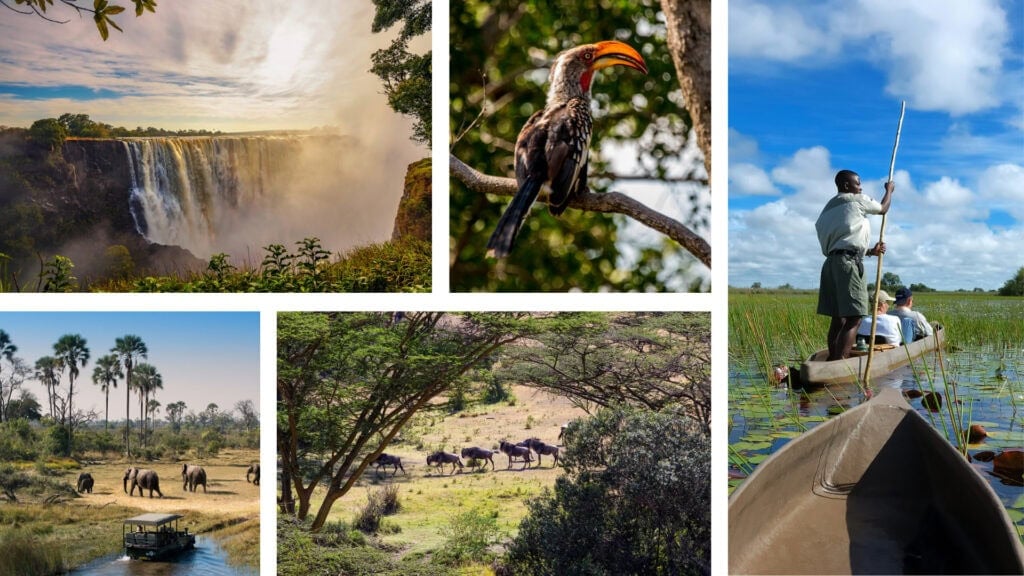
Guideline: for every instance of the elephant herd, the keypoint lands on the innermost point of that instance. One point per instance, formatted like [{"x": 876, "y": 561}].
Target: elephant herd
[
  {"x": 440, "y": 459},
  {"x": 192, "y": 477}
]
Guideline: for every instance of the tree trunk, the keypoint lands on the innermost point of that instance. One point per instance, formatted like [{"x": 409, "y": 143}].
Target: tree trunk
[{"x": 689, "y": 40}]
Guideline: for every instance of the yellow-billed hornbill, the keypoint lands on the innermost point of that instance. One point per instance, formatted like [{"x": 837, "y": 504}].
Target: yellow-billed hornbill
[{"x": 554, "y": 143}]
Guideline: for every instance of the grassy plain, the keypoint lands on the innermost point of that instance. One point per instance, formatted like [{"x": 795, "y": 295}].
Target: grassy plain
[{"x": 75, "y": 530}]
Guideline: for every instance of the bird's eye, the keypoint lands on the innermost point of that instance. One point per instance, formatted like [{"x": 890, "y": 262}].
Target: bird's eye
[{"x": 588, "y": 55}]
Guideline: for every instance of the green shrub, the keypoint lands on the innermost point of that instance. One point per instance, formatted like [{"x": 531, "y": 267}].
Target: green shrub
[
  {"x": 28, "y": 556},
  {"x": 468, "y": 537}
]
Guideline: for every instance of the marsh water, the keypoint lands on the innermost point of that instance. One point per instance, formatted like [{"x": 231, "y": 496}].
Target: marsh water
[
  {"x": 207, "y": 558},
  {"x": 988, "y": 381}
]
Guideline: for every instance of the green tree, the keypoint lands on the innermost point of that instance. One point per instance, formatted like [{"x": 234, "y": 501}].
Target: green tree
[
  {"x": 146, "y": 380},
  {"x": 128, "y": 349},
  {"x": 1014, "y": 286},
  {"x": 650, "y": 360},
  {"x": 105, "y": 375},
  {"x": 47, "y": 372},
  {"x": 47, "y": 134},
  {"x": 7, "y": 350},
  {"x": 24, "y": 406},
  {"x": 348, "y": 382},
  {"x": 635, "y": 499},
  {"x": 498, "y": 79},
  {"x": 71, "y": 350},
  {"x": 175, "y": 411},
  {"x": 102, "y": 11},
  {"x": 247, "y": 414},
  {"x": 406, "y": 76},
  {"x": 891, "y": 282}
]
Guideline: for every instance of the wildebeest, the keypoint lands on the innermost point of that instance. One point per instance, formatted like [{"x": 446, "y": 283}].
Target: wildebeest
[
  {"x": 440, "y": 458},
  {"x": 85, "y": 483},
  {"x": 540, "y": 447},
  {"x": 254, "y": 471},
  {"x": 386, "y": 460},
  {"x": 514, "y": 451},
  {"x": 479, "y": 454}
]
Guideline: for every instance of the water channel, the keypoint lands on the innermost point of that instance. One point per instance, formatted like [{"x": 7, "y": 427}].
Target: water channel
[{"x": 207, "y": 559}]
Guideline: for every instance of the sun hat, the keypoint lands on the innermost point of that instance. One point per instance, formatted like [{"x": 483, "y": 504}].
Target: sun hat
[{"x": 884, "y": 296}]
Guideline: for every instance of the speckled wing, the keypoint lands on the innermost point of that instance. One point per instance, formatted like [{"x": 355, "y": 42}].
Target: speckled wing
[{"x": 568, "y": 145}]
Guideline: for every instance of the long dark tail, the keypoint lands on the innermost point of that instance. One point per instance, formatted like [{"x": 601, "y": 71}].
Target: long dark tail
[{"x": 511, "y": 221}]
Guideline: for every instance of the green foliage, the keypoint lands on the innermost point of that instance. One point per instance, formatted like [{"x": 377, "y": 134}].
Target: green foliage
[
  {"x": 48, "y": 134},
  {"x": 891, "y": 282},
  {"x": 635, "y": 478},
  {"x": 12, "y": 480},
  {"x": 18, "y": 441},
  {"x": 915, "y": 288},
  {"x": 498, "y": 79},
  {"x": 1014, "y": 286},
  {"x": 468, "y": 536},
  {"x": 102, "y": 11},
  {"x": 56, "y": 275},
  {"x": 406, "y": 76},
  {"x": 380, "y": 502}
]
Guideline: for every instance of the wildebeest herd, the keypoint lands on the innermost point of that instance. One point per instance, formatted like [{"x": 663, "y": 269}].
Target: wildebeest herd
[
  {"x": 440, "y": 459},
  {"x": 191, "y": 476}
]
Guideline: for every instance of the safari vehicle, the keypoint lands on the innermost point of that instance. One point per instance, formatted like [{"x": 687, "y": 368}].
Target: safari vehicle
[{"x": 154, "y": 536}]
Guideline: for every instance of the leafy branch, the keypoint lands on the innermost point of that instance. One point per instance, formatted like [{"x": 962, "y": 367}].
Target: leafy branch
[
  {"x": 612, "y": 202},
  {"x": 101, "y": 11}
]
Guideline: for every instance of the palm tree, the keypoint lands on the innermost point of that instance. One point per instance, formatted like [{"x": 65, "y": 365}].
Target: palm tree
[
  {"x": 47, "y": 369},
  {"x": 128, "y": 349},
  {"x": 147, "y": 380},
  {"x": 105, "y": 375},
  {"x": 7, "y": 348},
  {"x": 70, "y": 348}
]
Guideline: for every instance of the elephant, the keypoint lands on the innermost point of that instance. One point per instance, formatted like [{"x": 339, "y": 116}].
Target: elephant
[
  {"x": 143, "y": 479},
  {"x": 85, "y": 483},
  {"x": 192, "y": 476},
  {"x": 254, "y": 471}
]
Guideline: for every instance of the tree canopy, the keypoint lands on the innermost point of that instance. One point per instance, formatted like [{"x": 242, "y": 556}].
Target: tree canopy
[
  {"x": 348, "y": 382},
  {"x": 1015, "y": 285},
  {"x": 498, "y": 79},
  {"x": 406, "y": 76}
]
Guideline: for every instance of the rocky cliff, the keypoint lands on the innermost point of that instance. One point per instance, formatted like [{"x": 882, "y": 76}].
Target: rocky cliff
[{"x": 413, "y": 218}]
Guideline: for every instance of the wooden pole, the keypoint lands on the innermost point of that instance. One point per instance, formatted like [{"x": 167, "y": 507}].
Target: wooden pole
[{"x": 878, "y": 274}]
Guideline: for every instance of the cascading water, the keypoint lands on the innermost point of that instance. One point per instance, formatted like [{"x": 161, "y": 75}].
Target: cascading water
[{"x": 187, "y": 191}]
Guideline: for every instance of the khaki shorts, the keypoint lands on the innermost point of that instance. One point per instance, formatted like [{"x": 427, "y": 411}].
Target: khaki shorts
[{"x": 843, "y": 291}]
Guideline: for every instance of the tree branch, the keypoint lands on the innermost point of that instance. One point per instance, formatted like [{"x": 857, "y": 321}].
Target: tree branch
[{"x": 612, "y": 202}]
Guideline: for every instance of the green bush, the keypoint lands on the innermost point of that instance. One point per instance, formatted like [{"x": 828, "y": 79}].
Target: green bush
[
  {"x": 468, "y": 538},
  {"x": 28, "y": 556}
]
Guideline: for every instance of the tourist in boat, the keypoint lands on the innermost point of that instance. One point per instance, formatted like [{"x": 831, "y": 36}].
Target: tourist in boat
[
  {"x": 902, "y": 308},
  {"x": 888, "y": 331},
  {"x": 844, "y": 233}
]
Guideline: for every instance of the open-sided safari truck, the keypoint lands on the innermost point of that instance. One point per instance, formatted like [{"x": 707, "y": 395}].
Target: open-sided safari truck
[{"x": 154, "y": 536}]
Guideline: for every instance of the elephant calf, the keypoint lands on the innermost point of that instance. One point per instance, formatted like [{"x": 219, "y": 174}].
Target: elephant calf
[
  {"x": 85, "y": 482},
  {"x": 143, "y": 479},
  {"x": 192, "y": 476},
  {"x": 254, "y": 471}
]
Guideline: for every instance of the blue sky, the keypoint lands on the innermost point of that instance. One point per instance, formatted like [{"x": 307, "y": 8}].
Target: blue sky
[
  {"x": 203, "y": 357},
  {"x": 815, "y": 87}
]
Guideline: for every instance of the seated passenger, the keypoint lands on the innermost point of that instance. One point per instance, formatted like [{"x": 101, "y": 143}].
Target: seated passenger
[
  {"x": 888, "y": 331},
  {"x": 902, "y": 308}
]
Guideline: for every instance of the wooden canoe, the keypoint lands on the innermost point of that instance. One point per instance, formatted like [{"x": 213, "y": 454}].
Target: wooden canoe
[
  {"x": 816, "y": 370},
  {"x": 876, "y": 490}
]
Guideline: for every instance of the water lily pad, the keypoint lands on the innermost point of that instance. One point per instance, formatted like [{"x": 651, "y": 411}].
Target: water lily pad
[
  {"x": 751, "y": 446},
  {"x": 1018, "y": 503},
  {"x": 758, "y": 458},
  {"x": 1015, "y": 515},
  {"x": 786, "y": 434}
]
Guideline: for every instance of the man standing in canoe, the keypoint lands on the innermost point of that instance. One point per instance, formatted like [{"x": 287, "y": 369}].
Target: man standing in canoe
[{"x": 844, "y": 233}]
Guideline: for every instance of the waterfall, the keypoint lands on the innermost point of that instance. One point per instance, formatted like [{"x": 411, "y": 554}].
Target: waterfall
[{"x": 187, "y": 191}]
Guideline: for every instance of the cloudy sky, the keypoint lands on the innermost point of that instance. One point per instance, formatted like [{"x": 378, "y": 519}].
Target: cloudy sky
[
  {"x": 203, "y": 357},
  {"x": 815, "y": 87},
  {"x": 217, "y": 64}
]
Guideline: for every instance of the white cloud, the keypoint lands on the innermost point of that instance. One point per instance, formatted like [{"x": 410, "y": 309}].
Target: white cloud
[
  {"x": 749, "y": 180},
  {"x": 942, "y": 55},
  {"x": 927, "y": 229}
]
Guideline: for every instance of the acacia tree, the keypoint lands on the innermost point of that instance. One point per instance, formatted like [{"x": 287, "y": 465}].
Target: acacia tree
[
  {"x": 128, "y": 349},
  {"x": 71, "y": 350},
  {"x": 650, "y": 360},
  {"x": 348, "y": 383},
  {"x": 105, "y": 375},
  {"x": 175, "y": 411},
  {"x": 498, "y": 79}
]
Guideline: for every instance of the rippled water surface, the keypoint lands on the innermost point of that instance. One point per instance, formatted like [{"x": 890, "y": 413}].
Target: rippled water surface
[{"x": 208, "y": 559}]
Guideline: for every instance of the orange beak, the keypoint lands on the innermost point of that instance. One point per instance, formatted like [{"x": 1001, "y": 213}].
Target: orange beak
[{"x": 615, "y": 53}]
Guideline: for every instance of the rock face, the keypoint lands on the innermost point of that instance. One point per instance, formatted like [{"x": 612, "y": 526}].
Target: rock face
[{"x": 413, "y": 218}]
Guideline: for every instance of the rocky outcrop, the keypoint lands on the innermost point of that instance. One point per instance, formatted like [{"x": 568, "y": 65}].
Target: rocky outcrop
[{"x": 413, "y": 218}]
